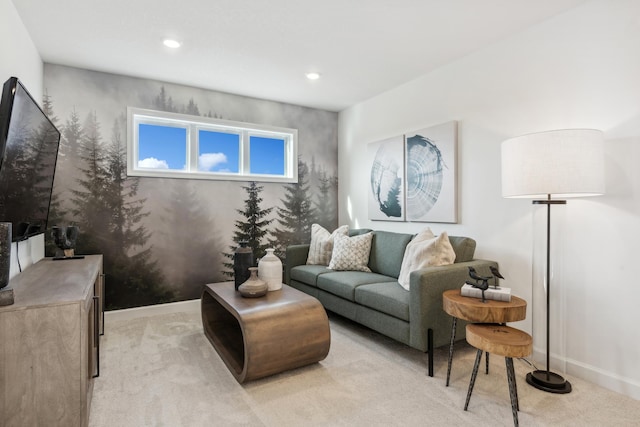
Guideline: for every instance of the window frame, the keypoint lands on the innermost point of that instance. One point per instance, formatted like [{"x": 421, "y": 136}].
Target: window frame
[{"x": 193, "y": 126}]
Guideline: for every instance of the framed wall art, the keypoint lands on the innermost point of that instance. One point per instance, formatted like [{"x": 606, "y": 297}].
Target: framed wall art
[
  {"x": 386, "y": 189},
  {"x": 431, "y": 175}
]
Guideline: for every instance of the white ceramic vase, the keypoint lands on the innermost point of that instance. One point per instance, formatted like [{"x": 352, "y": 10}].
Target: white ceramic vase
[{"x": 270, "y": 270}]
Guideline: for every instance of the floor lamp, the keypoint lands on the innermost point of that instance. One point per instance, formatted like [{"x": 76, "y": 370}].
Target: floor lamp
[{"x": 546, "y": 166}]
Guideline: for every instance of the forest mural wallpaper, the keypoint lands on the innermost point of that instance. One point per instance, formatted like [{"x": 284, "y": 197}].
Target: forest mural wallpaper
[{"x": 164, "y": 239}]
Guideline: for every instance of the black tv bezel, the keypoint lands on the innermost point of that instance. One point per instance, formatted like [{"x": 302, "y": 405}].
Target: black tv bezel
[{"x": 9, "y": 90}]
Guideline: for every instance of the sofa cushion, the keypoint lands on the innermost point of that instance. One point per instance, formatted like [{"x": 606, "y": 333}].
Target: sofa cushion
[
  {"x": 344, "y": 283},
  {"x": 321, "y": 244},
  {"x": 351, "y": 253},
  {"x": 464, "y": 247},
  {"x": 358, "y": 231},
  {"x": 389, "y": 298},
  {"x": 387, "y": 250},
  {"x": 308, "y": 273},
  {"x": 425, "y": 250}
]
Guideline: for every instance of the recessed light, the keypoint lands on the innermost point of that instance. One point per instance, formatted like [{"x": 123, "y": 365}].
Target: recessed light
[
  {"x": 313, "y": 76},
  {"x": 173, "y": 44}
]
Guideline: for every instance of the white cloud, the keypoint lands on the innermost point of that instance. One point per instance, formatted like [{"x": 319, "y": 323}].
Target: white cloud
[
  {"x": 208, "y": 161},
  {"x": 153, "y": 163}
]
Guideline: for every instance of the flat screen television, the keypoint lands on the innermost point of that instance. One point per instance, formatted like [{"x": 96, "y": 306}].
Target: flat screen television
[{"x": 28, "y": 154}]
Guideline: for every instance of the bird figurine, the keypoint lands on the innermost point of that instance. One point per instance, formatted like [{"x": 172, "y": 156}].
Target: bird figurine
[
  {"x": 496, "y": 276},
  {"x": 481, "y": 282},
  {"x": 65, "y": 239}
]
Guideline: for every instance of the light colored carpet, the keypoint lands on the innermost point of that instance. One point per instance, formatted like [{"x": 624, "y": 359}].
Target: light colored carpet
[{"x": 161, "y": 370}]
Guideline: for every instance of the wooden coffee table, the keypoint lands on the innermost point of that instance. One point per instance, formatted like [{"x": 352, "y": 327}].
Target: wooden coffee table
[
  {"x": 257, "y": 337},
  {"x": 474, "y": 310}
]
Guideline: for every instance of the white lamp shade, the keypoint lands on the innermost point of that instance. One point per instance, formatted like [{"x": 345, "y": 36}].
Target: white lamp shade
[{"x": 561, "y": 163}]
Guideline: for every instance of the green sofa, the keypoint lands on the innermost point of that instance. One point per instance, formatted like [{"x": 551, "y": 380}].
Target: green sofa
[{"x": 377, "y": 300}]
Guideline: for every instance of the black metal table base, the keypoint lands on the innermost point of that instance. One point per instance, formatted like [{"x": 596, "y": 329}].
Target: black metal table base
[
  {"x": 453, "y": 338},
  {"x": 511, "y": 380}
]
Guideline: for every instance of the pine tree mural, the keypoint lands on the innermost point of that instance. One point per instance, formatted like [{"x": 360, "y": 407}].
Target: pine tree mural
[
  {"x": 90, "y": 209},
  {"x": 136, "y": 278},
  {"x": 297, "y": 215},
  {"x": 163, "y": 239},
  {"x": 190, "y": 250},
  {"x": 325, "y": 206},
  {"x": 192, "y": 108},
  {"x": 254, "y": 227},
  {"x": 108, "y": 212}
]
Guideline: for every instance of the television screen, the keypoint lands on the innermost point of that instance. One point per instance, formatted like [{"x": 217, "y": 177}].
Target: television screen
[{"x": 28, "y": 154}]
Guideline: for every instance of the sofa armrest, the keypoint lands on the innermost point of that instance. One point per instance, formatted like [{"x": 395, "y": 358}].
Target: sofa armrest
[
  {"x": 295, "y": 255},
  {"x": 425, "y": 306}
]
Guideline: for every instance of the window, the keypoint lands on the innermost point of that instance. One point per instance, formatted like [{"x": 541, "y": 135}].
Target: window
[{"x": 174, "y": 145}]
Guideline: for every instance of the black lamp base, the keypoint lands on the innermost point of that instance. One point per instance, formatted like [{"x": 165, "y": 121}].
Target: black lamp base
[{"x": 549, "y": 381}]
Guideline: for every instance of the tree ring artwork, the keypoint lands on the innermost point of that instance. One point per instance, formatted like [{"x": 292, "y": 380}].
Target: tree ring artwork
[
  {"x": 413, "y": 177},
  {"x": 424, "y": 174},
  {"x": 431, "y": 174},
  {"x": 386, "y": 193}
]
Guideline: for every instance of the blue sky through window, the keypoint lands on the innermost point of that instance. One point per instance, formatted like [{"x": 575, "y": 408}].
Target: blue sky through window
[
  {"x": 218, "y": 151},
  {"x": 162, "y": 147},
  {"x": 267, "y": 155}
]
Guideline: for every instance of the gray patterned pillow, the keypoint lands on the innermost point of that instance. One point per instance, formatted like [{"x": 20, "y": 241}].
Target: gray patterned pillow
[
  {"x": 321, "y": 244},
  {"x": 351, "y": 253}
]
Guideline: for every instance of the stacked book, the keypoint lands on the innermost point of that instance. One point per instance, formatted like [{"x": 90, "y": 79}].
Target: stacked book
[{"x": 499, "y": 294}]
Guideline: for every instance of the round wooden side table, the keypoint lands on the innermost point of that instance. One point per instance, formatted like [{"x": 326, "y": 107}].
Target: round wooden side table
[{"x": 476, "y": 311}]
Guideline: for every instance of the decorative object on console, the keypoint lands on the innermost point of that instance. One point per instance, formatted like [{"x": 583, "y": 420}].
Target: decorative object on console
[
  {"x": 242, "y": 261},
  {"x": 425, "y": 250},
  {"x": 558, "y": 163},
  {"x": 6, "y": 293},
  {"x": 65, "y": 239},
  {"x": 253, "y": 287},
  {"x": 270, "y": 270}
]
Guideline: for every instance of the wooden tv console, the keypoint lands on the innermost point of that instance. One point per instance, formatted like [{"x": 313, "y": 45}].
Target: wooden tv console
[{"x": 50, "y": 343}]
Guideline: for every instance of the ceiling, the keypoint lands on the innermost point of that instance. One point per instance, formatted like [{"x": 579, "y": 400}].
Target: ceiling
[{"x": 263, "y": 48}]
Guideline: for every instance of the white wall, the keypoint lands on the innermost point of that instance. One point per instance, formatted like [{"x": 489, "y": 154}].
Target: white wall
[
  {"x": 578, "y": 69},
  {"x": 21, "y": 59}
]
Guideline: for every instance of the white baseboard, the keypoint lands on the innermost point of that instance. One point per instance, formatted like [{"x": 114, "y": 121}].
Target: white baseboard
[
  {"x": 153, "y": 310},
  {"x": 604, "y": 379},
  {"x": 592, "y": 374}
]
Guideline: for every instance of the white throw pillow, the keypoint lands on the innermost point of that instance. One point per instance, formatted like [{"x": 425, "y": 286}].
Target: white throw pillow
[
  {"x": 425, "y": 250},
  {"x": 321, "y": 245},
  {"x": 351, "y": 253}
]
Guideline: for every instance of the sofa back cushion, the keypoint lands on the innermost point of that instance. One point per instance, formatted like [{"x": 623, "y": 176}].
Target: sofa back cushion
[
  {"x": 464, "y": 247},
  {"x": 387, "y": 251},
  {"x": 358, "y": 231}
]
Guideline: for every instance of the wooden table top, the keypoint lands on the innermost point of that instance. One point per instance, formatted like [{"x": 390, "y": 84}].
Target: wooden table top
[
  {"x": 227, "y": 295},
  {"x": 491, "y": 311},
  {"x": 499, "y": 339}
]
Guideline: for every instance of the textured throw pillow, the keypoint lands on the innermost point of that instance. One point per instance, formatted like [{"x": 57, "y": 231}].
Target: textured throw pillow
[
  {"x": 351, "y": 253},
  {"x": 425, "y": 250},
  {"x": 321, "y": 244}
]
